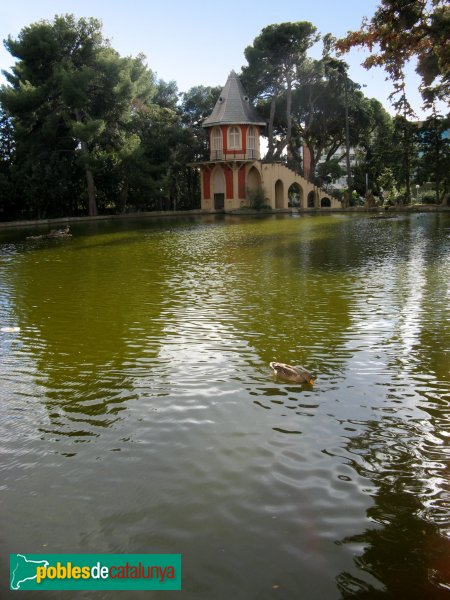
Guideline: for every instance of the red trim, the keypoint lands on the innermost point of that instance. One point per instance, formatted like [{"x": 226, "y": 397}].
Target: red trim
[
  {"x": 228, "y": 171},
  {"x": 207, "y": 184},
  {"x": 244, "y": 137},
  {"x": 235, "y": 152},
  {"x": 241, "y": 183},
  {"x": 225, "y": 137},
  {"x": 306, "y": 161}
]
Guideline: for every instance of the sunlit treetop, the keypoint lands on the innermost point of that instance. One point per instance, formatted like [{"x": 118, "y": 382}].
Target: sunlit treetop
[{"x": 402, "y": 30}]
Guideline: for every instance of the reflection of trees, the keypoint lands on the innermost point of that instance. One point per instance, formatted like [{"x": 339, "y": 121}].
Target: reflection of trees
[
  {"x": 291, "y": 285},
  {"x": 90, "y": 312},
  {"x": 434, "y": 341},
  {"x": 288, "y": 310},
  {"x": 405, "y": 551}
]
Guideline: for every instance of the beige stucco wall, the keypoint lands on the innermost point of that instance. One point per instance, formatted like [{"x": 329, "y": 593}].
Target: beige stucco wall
[
  {"x": 271, "y": 173},
  {"x": 274, "y": 176}
]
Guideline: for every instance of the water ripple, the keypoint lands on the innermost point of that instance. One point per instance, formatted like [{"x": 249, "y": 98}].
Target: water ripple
[{"x": 138, "y": 409}]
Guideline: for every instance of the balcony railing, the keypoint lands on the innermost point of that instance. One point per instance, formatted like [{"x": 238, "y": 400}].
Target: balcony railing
[{"x": 234, "y": 155}]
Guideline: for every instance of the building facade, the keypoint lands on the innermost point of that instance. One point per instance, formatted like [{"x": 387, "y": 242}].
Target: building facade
[{"x": 235, "y": 175}]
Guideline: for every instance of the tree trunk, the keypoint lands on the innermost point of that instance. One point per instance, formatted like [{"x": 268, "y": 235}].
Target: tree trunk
[
  {"x": 407, "y": 155},
  {"x": 286, "y": 143},
  {"x": 124, "y": 194},
  {"x": 289, "y": 118},
  {"x": 312, "y": 164},
  {"x": 348, "y": 195},
  {"x": 91, "y": 191},
  {"x": 92, "y": 204},
  {"x": 438, "y": 158},
  {"x": 270, "y": 149}
]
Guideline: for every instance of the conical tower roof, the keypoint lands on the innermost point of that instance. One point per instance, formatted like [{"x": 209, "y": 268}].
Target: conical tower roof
[{"x": 233, "y": 106}]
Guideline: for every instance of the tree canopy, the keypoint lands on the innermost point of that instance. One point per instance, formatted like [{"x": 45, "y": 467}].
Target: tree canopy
[
  {"x": 78, "y": 111},
  {"x": 85, "y": 130},
  {"x": 401, "y": 30},
  {"x": 274, "y": 61}
]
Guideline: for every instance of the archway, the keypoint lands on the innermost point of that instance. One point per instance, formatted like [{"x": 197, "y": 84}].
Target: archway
[
  {"x": 218, "y": 188},
  {"x": 325, "y": 203},
  {"x": 311, "y": 199},
  {"x": 279, "y": 194},
  {"x": 253, "y": 180},
  {"x": 295, "y": 195}
]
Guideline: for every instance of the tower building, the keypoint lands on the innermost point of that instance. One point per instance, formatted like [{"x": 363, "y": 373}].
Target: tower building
[{"x": 235, "y": 173}]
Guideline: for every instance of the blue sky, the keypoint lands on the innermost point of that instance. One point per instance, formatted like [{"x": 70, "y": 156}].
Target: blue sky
[{"x": 187, "y": 41}]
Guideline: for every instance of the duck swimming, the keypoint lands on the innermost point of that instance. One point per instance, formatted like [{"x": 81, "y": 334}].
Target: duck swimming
[
  {"x": 54, "y": 233},
  {"x": 297, "y": 374}
]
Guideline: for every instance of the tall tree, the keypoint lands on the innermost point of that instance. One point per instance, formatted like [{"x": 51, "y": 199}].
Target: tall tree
[
  {"x": 6, "y": 137},
  {"x": 7, "y": 151},
  {"x": 70, "y": 94},
  {"x": 405, "y": 154},
  {"x": 321, "y": 107},
  {"x": 156, "y": 128},
  {"x": 47, "y": 54},
  {"x": 273, "y": 70},
  {"x": 379, "y": 151},
  {"x": 197, "y": 104},
  {"x": 191, "y": 144},
  {"x": 434, "y": 146},
  {"x": 404, "y": 29},
  {"x": 166, "y": 94}
]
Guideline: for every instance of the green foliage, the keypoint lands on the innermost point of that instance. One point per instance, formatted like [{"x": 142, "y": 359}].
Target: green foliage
[
  {"x": 7, "y": 143},
  {"x": 83, "y": 129},
  {"x": 356, "y": 199},
  {"x": 330, "y": 170},
  {"x": 257, "y": 199},
  {"x": 378, "y": 149},
  {"x": 166, "y": 94},
  {"x": 307, "y": 106},
  {"x": 272, "y": 73},
  {"x": 388, "y": 186},
  {"x": 401, "y": 30},
  {"x": 49, "y": 92},
  {"x": 429, "y": 198},
  {"x": 434, "y": 147},
  {"x": 405, "y": 161},
  {"x": 7, "y": 151},
  {"x": 92, "y": 116},
  {"x": 197, "y": 104},
  {"x": 320, "y": 111}
]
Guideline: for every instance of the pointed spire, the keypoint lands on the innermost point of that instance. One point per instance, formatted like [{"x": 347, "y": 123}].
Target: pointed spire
[{"x": 233, "y": 106}]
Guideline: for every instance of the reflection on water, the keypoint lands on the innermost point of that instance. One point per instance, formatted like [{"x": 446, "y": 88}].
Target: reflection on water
[
  {"x": 138, "y": 412},
  {"x": 407, "y": 546}
]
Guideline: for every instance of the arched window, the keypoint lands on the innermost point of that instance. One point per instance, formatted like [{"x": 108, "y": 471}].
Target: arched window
[
  {"x": 251, "y": 142},
  {"x": 234, "y": 138},
  {"x": 217, "y": 143}
]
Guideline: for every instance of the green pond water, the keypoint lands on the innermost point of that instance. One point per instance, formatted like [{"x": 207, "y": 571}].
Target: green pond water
[{"x": 138, "y": 412}]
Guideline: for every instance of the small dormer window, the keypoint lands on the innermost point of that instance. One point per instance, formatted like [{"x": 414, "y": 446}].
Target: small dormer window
[
  {"x": 234, "y": 138},
  {"x": 220, "y": 98}
]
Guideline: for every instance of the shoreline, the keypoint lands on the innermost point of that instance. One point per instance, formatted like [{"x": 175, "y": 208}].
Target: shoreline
[{"x": 420, "y": 208}]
